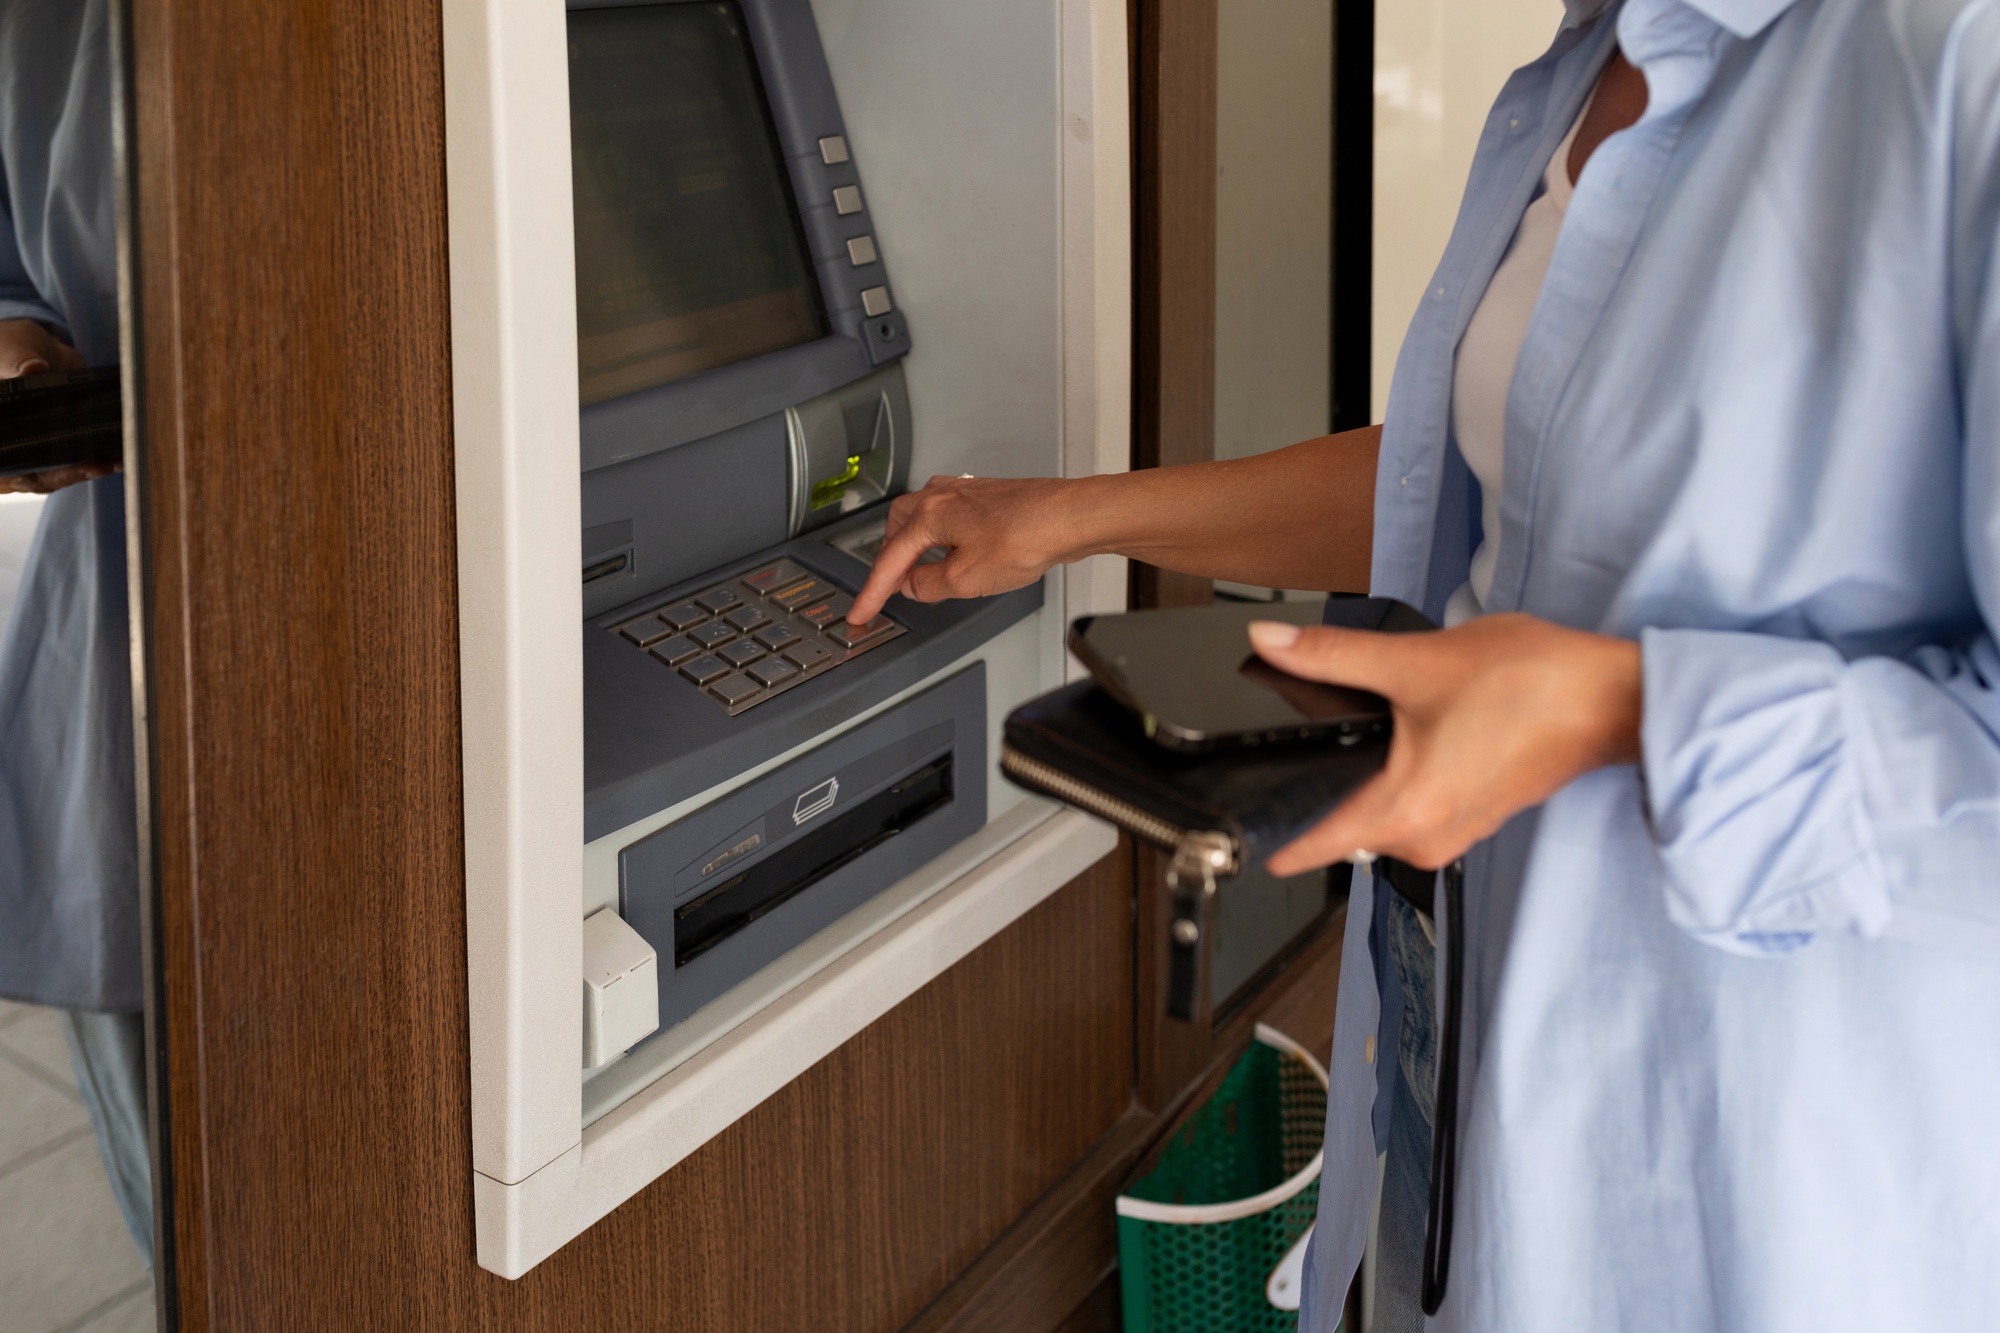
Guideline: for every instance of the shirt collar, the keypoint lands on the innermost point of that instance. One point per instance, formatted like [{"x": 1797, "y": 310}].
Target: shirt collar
[{"x": 1745, "y": 18}]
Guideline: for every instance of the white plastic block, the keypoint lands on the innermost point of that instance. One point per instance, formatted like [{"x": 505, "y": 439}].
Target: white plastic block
[{"x": 621, "y": 988}]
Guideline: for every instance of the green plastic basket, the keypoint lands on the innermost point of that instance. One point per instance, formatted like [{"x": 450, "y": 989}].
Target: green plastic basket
[{"x": 1211, "y": 1240}]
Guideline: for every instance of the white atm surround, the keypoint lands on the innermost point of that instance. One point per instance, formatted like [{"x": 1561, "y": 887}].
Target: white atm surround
[{"x": 993, "y": 141}]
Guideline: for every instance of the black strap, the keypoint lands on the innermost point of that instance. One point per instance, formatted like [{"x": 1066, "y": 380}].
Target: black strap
[{"x": 1444, "y": 1133}]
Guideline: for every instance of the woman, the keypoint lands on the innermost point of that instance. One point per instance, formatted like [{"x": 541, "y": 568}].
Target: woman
[{"x": 1695, "y": 442}]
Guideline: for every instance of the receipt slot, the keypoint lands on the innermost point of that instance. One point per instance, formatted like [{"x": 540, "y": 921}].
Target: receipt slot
[{"x": 727, "y": 276}]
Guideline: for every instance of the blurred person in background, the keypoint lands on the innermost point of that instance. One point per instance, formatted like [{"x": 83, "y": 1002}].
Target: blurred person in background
[{"x": 69, "y": 892}]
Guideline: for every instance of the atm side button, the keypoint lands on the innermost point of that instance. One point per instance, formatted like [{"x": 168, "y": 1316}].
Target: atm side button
[
  {"x": 802, "y": 594},
  {"x": 705, "y": 669},
  {"x": 773, "y": 671},
  {"x": 826, "y": 612},
  {"x": 733, "y": 690},
  {"x": 676, "y": 650},
  {"x": 771, "y": 578},
  {"x": 850, "y": 636},
  {"x": 648, "y": 631}
]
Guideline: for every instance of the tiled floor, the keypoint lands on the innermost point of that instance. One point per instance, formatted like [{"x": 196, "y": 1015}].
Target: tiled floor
[{"x": 67, "y": 1264}]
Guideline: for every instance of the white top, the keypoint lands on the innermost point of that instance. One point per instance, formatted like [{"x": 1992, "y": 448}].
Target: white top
[{"x": 1485, "y": 365}]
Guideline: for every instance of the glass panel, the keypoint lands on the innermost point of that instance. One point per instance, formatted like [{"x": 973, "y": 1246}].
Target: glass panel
[{"x": 76, "y": 1206}]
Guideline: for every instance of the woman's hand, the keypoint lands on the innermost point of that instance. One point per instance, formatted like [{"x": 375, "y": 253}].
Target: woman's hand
[
  {"x": 998, "y": 535},
  {"x": 1491, "y": 718},
  {"x": 26, "y": 348}
]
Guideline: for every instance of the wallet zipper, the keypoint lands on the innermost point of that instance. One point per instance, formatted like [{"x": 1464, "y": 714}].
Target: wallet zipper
[{"x": 1207, "y": 848}]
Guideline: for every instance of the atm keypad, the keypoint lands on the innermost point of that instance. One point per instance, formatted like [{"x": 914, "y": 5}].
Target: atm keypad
[
  {"x": 757, "y": 635},
  {"x": 676, "y": 650},
  {"x": 735, "y": 690},
  {"x": 773, "y": 671},
  {"x": 827, "y": 611},
  {"x": 647, "y": 631},
  {"x": 852, "y": 636},
  {"x": 808, "y": 654},
  {"x": 684, "y": 615},
  {"x": 704, "y": 669}
]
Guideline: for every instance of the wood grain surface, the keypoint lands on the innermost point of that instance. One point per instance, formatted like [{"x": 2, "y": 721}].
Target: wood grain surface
[{"x": 1173, "y": 286}]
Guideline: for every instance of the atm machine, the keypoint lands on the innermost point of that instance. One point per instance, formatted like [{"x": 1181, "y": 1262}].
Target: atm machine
[
  {"x": 728, "y": 276},
  {"x": 745, "y": 418}
]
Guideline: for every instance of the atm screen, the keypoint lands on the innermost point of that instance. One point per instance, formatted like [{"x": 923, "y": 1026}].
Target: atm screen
[{"x": 689, "y": 253}]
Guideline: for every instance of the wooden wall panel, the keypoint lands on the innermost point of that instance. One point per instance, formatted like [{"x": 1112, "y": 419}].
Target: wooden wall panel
[
  {"x": 854, "y": 1195},
  {"x": 1173, "y": 215},
  {"x": 296, "y": 498}
]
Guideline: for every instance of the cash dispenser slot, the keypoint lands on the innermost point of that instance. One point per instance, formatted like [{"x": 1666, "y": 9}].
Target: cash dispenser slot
[
  {"x": 729, "y": 888},
  {"x": 730, "y": 906}
]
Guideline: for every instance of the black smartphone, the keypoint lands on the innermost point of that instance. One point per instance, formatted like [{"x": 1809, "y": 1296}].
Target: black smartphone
[{"x": 1191, "y": 677}]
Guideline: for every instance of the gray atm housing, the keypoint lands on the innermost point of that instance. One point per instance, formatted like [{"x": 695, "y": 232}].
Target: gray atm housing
[{"x": 700, "y": 480}]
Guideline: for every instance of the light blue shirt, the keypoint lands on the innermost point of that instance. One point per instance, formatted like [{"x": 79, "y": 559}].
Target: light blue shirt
[
  {"x": 69, "y": 897},
  {"x": 1732, "y": 1045}
]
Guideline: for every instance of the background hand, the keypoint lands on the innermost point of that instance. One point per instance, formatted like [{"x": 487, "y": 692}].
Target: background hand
[
  {"x": 26, "y": 348},
  {"x": 1491, "y": 718},
  {"x": 998, "y": 535}
]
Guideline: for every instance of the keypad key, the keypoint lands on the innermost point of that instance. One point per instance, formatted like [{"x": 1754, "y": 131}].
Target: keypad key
[
  {"x": 676, "y": 650},
  {"x": 684, "y": 615},
  {"x": 775, "y": 670},
  {"x": 705, "y": 669},
  {"x": 712, "y": 635},
  {"x": 719, "y": 600},
  {"x": 747, "y": 618},
  {"x": 741, "y": 653},
  {"x": 773, "y": 577},
  {"x": 733, "y": 690},
  {"x": 809, "y": 653},
  {"x": 777, "y": 637},
  {"x": 648, "y": 631},
  {"x": 852, "y": 636},
  {"x": 824, "y": 613},
  {"x": 803, "y": 594}
]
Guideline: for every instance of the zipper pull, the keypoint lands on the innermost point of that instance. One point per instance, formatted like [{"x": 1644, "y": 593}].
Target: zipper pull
[{"x": 1199, "y": 860}]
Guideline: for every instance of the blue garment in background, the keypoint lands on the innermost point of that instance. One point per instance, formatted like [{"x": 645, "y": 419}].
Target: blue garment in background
[
  {"x": 69, "y": 897},
  {"x": 1730, "y": 1044}
]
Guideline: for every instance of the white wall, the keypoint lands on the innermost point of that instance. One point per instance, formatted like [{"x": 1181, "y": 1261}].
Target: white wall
[
  {"x": 1273, "y": 221},
  {"x": 1438, "y": 66}
]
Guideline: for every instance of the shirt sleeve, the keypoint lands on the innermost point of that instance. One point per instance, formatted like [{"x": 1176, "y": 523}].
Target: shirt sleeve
[{"x": 1795, "y": 792}]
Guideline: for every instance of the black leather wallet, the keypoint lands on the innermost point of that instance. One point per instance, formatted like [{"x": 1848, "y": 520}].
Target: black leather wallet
[
  {"x": 1214, "y": 812},
  {"x": 61, "y": 419}
]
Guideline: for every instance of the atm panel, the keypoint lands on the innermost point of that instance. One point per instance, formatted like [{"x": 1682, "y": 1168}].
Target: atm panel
[{"x": 725, "y": 890}]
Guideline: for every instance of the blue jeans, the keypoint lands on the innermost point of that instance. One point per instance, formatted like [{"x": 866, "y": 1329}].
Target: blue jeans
[{"x": 1406, "y": 1180}]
